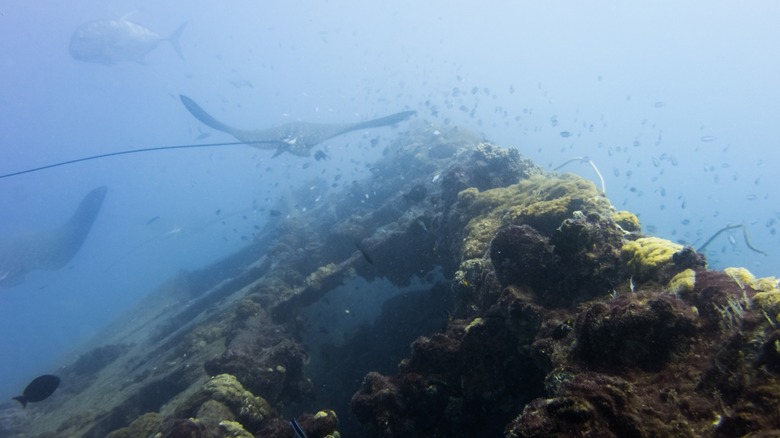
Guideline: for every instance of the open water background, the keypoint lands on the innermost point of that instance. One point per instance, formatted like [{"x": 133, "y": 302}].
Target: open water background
[{"x": 628, "y": 85}]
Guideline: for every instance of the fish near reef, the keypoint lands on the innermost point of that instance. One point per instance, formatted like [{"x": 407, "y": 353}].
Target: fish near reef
[
  {"x": 49, "y": 249},
  {"x": 110, "y": 41},
  {"x": 39, "y": 389},
  {"x": 297, "y": 138}
]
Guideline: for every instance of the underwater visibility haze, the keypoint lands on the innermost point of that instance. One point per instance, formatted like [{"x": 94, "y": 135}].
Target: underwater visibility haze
[{"x": 390, "y": 148}]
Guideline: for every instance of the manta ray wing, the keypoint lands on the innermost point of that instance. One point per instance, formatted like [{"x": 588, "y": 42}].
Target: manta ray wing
[
  {"x": 52, "y": 249},
  {"x": 263, "y": 139},
  {"x": 297, "y": 138}
]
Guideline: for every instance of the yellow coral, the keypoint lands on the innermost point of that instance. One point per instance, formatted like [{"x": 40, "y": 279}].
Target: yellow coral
[
  {"x": 476, "y": 323},
  {"x": 627, "y": 221},
  {"x": 743, "y": 278},
  {"x": 645, "y": 256},
  {"x": 769, "y": 302},
  {"x": 226, "y": 389},
  {"x": 683, "y": 282},
  {"x": 542, "y": 202},
  {"x": 234, "y": 430},
  {"x": 766, "y": 284}
]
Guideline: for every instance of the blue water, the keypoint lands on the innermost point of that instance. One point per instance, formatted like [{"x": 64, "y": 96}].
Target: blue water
[{"x": 629, "y": 86}]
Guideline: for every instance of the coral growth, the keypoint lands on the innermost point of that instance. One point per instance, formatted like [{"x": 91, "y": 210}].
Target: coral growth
[
  {"x": 265, "y": 360},
  {"x": 145, "y": 425},
  {"x": 653, "y": 258},
  {"x": 540, "y": 202},
  {"x": 557, "y": 318},
  {"x": 627, "y": 221},
  {"x": 224, "y": 398}
]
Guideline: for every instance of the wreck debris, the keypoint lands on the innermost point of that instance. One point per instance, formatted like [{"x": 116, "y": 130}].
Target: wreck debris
[{"x": 560, "y": 317}]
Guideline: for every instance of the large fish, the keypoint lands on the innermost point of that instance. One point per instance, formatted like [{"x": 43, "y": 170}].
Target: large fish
[
  {"x": 50, "y": 249},
  {"x": 111, "y": 41},
  {"x": 297, "y": 138}
]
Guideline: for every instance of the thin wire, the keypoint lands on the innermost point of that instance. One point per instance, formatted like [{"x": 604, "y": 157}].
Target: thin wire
[
  {"x": 592, "y": 165},
  {"x": 732, "y": 227},
  {"x": 132, "y": 151}
]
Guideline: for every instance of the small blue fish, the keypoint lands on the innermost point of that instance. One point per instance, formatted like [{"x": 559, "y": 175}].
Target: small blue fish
[{"x": 297, "y": 428}]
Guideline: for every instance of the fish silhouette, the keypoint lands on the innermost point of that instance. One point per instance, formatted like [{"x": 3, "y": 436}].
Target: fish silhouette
[
  {"x": 111, "y": 41},
  {"x": 39, "y": 389},
  {"x": 50, "y": 249},
  {"x": 297, "y": 138}
]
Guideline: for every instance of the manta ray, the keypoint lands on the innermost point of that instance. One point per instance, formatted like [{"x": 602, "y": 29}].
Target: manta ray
[
  {"x": 50, "y": 249},
  {"x": 297, "y": 138}
]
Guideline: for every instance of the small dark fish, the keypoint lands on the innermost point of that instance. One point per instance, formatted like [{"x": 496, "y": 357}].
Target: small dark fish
[
  {"x": 416, "y": 194},
  {"x": 365, "y": 254},
  {"x": 565, "y": 134},
  {"x": 203, "y": 136},
  {"x": 274, "y": 212},
  {"x": 152, "y": 220},
  {"x": 39, "y": 389},
  {"x": 219, "y": 210},
  {"x": 297, "y": 428},
  {"x": 319, "y": 155}
]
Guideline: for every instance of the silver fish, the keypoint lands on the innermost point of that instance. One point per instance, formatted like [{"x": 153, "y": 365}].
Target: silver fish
[{"x": 111, "y": 41}]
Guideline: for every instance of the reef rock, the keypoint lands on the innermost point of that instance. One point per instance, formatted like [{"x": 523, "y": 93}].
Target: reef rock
[
  {"x": 225, "y": 391},
  {"x": 554, "y": 316}
]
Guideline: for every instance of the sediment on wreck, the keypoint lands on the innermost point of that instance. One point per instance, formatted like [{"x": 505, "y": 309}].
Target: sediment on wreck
[{"x": 525, "y": 306}]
